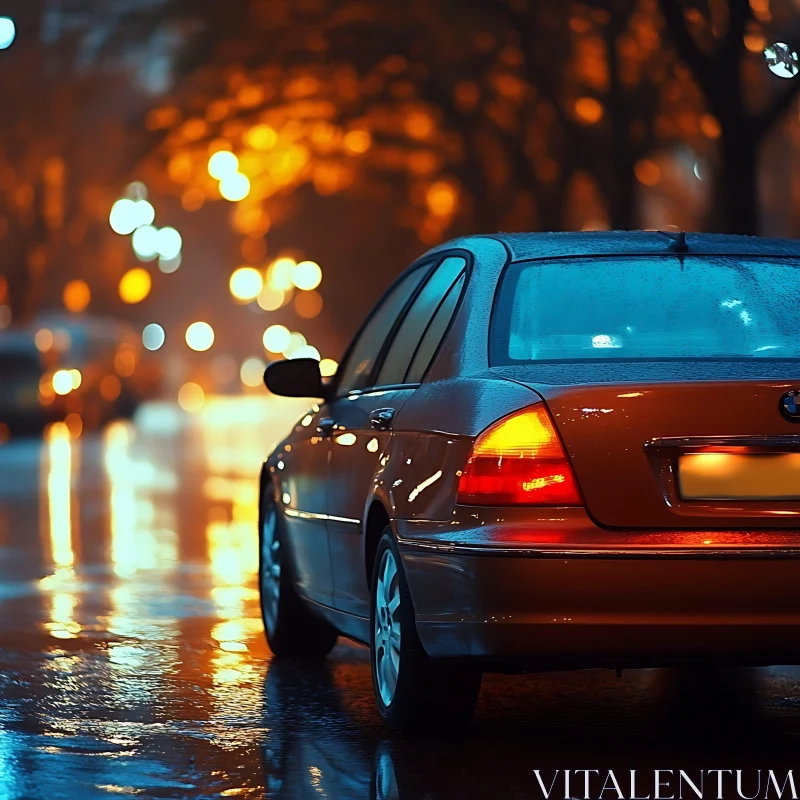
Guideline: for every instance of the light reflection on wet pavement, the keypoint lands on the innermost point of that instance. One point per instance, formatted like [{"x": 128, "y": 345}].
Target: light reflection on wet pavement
[{"x": 132, "y": 659}]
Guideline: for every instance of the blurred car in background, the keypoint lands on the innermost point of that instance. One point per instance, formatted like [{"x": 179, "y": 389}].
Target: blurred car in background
[
  {"x": 21, "y": 369},
  {"x": 60, "y": 365}
]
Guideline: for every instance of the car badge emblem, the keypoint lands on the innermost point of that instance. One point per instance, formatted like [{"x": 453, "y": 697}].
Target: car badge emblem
[{"x": 790, "y": 405}]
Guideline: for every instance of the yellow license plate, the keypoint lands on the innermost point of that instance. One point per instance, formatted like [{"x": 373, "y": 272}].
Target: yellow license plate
[{"x": 734, "y": 476}]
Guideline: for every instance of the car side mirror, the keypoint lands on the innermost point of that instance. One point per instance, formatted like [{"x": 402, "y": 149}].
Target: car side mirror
[{"x": 295, "y": 377}]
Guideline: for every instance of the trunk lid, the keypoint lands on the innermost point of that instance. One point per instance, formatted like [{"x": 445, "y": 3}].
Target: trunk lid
[{"x": 626, "y": 440}]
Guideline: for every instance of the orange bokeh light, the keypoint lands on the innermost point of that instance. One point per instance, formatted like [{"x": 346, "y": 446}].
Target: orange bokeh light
[
  {"x": 308, "y": 304},
  {"x": 110, "y": 387},
  {"x": 647, "y": 172},
  {"x": 588, "y": 110},
  {"x": 441, "y": 198},
  {"x": 77, "y": 296}
]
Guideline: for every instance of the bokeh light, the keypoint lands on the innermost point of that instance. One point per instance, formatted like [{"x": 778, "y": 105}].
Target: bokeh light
[
  {"x": 135, "y": 285},
  {"x": 270, "y": 299},
  {"x": 246, "y": 283},
  {"x": 328, "y": 367},
  {"x": 77, "y": 296},
  {"x": 110, "y": 388},
  {"x": 234, "y": 187},
  {"x": 441, "y": 199},
  {"x": 306, "y": 351},
  {"x": 200, "y": 336},
  {"x": 308, "y": 304},
  {"x": 62, "y": 340},
  {"x": 191, "y": 397},
  {"x": 127, "y": 215},
  {"x": 44, "y": 340},
  {"x": 8, "y": 32},
  {"x": 125, "y": 361},
  {"x": 168, "y": 243},
  {"x": 280, "y": 272},
  {"x": 296, "y": 341},
  {"x": 153, "y": 336},
  {"x": 358, "y": 141},
  {"x": 74, "y": 424},
  {"x": 145, "y": 242},
  {"x": 261, "y": 137},
  {"x": 252, "y": 372},
  {"x": 169, "y": 265},
  {"x": 62, "y": 382},
  {"x": 145, "y": 212},
  {"x": 276, "y": 338},
  {"x": 307, "y": 275},
  {"x": 136, "y": 190},
  {"x": 123, "y": 217},
  {"x": 77, "y": 378},
  {"x": 223, "y": 164},
  {"x": 588, "y": 110}
]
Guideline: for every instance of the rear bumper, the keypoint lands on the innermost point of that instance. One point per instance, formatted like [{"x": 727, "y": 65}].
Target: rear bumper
[{"x": 516, "y": 606}]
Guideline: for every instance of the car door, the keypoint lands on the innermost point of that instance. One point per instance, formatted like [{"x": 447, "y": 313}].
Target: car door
[
  {"x": 301, "y": 474},
  {"x": 363, "y": 424}
]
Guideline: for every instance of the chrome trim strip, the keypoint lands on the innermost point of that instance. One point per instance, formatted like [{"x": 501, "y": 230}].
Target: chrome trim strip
[
  {"x": 534, "y": 552},
  {"x": 293, "y": 512},
  {"x": 682, "y": 442}
]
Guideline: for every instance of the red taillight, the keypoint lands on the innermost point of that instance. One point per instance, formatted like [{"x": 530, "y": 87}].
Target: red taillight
[{"x": 519, "y": 461}]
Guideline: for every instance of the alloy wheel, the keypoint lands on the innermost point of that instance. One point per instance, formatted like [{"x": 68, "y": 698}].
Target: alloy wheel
[
  {"x": 270, "y": 567},
  {"x": 387, "y": 628}
]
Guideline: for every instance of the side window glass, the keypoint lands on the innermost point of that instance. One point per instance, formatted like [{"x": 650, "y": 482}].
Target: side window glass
[
  {"x": 356, "y": 371},
  {"x": 416, "y": 321},
  {"x": 435, "y": 333}
]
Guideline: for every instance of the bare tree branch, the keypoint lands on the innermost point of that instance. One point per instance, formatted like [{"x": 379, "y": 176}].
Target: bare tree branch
[{"x": 701, "y": 65}]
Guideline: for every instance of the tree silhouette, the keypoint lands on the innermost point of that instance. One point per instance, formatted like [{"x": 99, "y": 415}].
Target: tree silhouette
[{"x": 714, "y": 47}]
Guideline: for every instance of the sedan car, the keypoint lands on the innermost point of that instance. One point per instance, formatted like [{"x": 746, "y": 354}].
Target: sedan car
[{"x": 546, "y": 451}]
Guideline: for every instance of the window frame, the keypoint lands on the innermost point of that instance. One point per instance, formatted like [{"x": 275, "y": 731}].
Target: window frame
[
  {"x": 467, "y": 256},
  {"x": 460, "y": 278},
  {"x": 428, "y": 263},
  {"x": 407, "y": 312},
  {"x": 423, "y": 265}
]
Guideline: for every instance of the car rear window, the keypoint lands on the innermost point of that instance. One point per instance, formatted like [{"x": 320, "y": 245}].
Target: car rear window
[{"x": 647, "y": 308}]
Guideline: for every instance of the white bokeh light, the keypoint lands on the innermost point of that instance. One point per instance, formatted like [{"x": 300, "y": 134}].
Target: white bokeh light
[
  {"x": 169, "y": 243},
  {"x": 8, "y": 32},
  {"x": 153, "y": 336},
  {"x": 145, "y": 242},
  {"x": 168, "y": 265},
  {"x": 200, "y": 336},
  {"x": 252, "y": 372},
  {"x": 276, "y": 338},
  {"x": 306, "y": 351}
]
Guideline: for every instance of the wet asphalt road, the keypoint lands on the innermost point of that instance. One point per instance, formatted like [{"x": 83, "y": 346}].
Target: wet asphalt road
[{"x": 132, "y": 658}]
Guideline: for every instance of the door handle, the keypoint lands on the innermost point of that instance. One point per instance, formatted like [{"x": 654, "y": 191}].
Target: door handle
[
  {"x": 326, "y": 425},
  {"x": 381, "y": 418}
]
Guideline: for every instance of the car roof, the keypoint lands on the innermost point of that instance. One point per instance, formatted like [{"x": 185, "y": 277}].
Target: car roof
[{"x": 524, "y": 246}]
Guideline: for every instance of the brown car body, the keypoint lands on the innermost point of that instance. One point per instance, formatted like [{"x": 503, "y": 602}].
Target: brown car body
[{"x": 635, "y": 577}]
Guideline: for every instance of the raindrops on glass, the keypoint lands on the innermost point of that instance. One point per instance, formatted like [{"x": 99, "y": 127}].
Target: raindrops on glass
[{"x": 782, "y": 60}]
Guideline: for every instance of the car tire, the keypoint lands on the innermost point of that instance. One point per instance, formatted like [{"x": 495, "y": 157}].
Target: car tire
[
  {"x": 414, "y": 693},
  {"x": 292, "y": 629}
]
